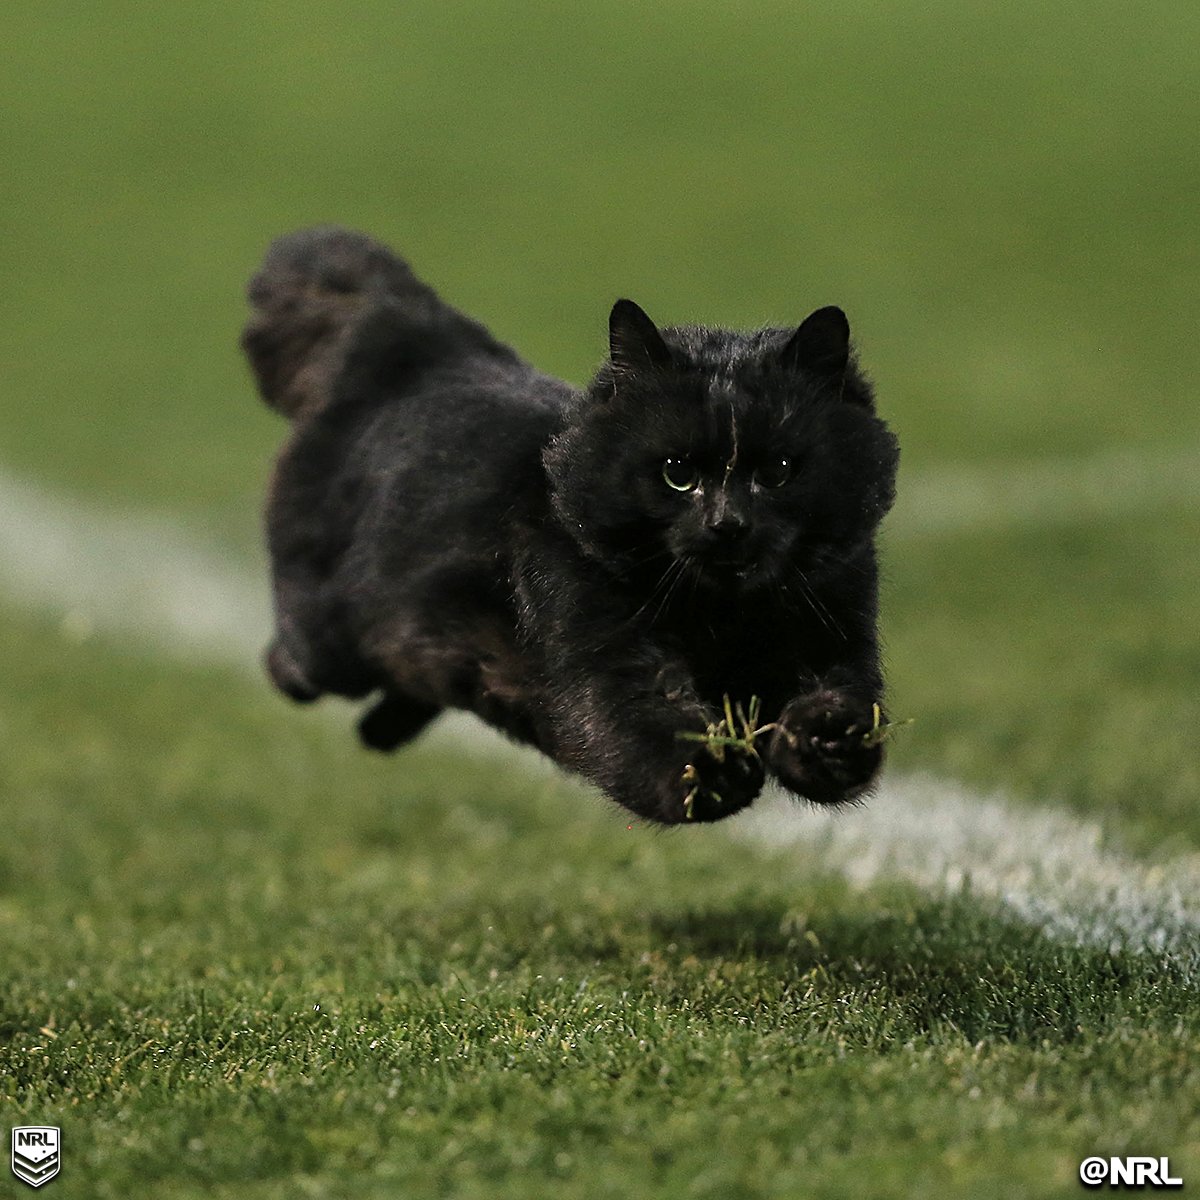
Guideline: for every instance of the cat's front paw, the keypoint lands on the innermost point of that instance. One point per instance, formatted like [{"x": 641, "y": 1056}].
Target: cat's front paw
[
  {"x": 822, "y": 748},
  {"x": 716, "y": 785}
]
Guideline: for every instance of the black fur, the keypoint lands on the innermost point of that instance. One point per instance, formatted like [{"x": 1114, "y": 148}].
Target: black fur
[{"x": 450, "y": 528}]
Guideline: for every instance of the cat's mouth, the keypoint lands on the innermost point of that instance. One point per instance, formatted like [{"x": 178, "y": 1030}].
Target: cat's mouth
[
  {"x": 728, "y": 558},
  {"x": 734, "y": 556},
  {"x": 740, "y": 570},
  {"x": 729, "y": 568},
  {"x": 738, "y": 566}
]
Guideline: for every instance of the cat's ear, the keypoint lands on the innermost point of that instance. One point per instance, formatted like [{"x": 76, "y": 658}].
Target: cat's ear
[
  {"x": 821, "y": 344},
  {"x": 633, "y": 339}
]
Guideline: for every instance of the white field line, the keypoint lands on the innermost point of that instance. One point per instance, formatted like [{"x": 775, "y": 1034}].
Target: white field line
[
  {"x": 126, "y": 574},
  {"x": 1041, "y": 865},
  {"x": 1052, "y": 492}
]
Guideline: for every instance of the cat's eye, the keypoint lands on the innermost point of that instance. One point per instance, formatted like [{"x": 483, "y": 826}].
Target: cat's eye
[
  {"x": 773, "y": 473},
  {"x": 680, "y": 474}
]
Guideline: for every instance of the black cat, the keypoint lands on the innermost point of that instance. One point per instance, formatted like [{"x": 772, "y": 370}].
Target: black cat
[{"x": 591, "y": 572}]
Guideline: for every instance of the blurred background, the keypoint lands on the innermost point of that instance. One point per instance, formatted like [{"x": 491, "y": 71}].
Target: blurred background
[{"x": 1001, "y": 198}]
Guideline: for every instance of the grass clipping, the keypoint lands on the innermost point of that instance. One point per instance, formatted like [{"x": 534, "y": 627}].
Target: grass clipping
[{"x": 738, "y": 731}]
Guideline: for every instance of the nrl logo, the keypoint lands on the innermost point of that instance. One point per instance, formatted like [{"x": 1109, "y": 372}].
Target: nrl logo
[{"x": 35, "y": 1156}]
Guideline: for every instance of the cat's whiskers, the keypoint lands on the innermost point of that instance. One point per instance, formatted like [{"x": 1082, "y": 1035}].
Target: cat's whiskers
[
  {"x": 672, "y": 573},
  {"x": 816, "y": 604},
  {"x": 637, "y": 564},
  {"x": 684, "y": 570}
]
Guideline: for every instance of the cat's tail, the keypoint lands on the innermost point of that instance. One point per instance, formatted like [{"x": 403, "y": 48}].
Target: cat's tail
[{"x": 329, "y": 303}]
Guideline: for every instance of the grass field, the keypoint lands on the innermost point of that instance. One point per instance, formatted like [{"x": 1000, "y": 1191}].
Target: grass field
[{"x": 241, "y": 957}]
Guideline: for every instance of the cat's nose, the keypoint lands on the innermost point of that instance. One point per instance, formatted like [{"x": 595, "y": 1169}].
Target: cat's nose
[
  {"x": 725, "y": 542},
  {"x": 725, "y": 521},
  {"x": 728, "y": 526}
]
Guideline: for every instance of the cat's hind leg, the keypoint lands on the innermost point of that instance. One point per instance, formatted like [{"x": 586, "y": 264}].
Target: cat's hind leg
[
  {"x": 386, "y": 725},
  {"x": 393, "y": 720},
  {"x": 288, "y": 675},
  {"x": 304, "y": 672}
]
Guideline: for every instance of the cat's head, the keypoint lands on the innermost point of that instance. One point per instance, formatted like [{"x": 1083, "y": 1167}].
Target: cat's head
[{"x": 741, "y": 456}]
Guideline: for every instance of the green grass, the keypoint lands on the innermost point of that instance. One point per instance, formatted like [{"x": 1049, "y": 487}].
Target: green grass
[
  {"x": 254, "y": 961},
  {"x": 1061, "y": 662},
  {"x": 518, "y": 995}
]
